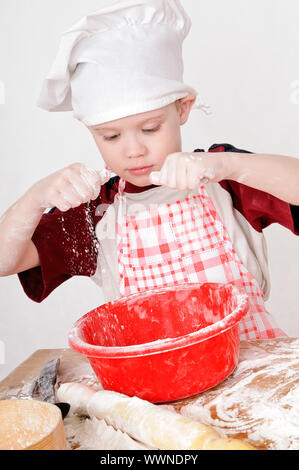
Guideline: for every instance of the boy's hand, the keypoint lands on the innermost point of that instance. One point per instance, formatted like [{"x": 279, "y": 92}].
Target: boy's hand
[
  {"x": 182, "y": 170},
  {"x": 69, "y": 187}
]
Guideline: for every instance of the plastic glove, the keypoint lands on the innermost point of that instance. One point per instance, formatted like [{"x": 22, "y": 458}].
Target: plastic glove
[
  {"x": 183, "y": 170},
  {"x": 69, "y": 188}
]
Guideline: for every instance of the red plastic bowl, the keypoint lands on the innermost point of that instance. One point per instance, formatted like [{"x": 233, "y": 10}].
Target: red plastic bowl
[{"x": 165, "y": 344}]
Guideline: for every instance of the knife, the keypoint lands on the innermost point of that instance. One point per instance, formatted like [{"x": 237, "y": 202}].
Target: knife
[{"x": 45, "y": 385}]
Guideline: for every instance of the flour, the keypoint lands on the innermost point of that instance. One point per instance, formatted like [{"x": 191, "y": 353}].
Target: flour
[
  {"x": 71, "y": 370},
  {"x": 260, "y": 400},
  {"x": 23, "y": 426},
  {"x": 28, "y": 432},
  {"x": 93, "y": 434}
]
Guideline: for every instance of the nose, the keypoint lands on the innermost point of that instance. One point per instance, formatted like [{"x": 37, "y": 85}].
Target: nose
[{"x": 135, "y": 147}]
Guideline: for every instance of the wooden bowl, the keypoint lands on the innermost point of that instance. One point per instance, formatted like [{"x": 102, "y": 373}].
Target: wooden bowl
[{"x": 31, "y": 425}]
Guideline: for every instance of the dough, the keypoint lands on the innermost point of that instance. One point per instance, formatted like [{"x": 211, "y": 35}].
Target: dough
[
  {"x": 95, "y": 434},
  {"x": 145, "y": 422}
]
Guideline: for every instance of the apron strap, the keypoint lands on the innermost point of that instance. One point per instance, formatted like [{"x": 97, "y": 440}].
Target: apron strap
[{"x": 121, "y": 187}]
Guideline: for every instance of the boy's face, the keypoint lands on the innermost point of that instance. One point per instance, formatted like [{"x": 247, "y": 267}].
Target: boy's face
[{"x": 134, "y": 146}]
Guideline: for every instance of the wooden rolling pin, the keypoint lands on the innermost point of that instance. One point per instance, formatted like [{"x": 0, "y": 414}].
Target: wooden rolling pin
[{"x": 146, "y": 422}]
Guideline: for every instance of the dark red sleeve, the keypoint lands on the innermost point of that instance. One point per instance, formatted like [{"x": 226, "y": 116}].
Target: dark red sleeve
[
  {"x": 259, "y": 208},
  {"x": 66, "y": 246}
]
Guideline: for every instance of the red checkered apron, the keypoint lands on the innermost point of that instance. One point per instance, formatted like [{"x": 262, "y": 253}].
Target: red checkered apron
[{"x": 185, "y": 241}]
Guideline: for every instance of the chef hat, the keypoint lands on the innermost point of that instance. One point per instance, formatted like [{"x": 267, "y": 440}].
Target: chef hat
[{"x": 123, "y": 59}]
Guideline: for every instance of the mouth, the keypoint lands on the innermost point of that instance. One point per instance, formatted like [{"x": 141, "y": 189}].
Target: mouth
[{"x": 141, "y": 170}]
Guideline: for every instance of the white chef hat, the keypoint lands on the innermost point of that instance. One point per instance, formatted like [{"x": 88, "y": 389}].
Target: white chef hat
[{"x": 123, "y": 59}]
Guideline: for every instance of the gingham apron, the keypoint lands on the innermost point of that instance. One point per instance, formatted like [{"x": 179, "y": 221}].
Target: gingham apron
[{"x": 185, "y": 241}]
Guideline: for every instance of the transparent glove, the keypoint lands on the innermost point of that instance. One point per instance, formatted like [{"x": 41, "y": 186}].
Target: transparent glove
[
  {"x": 69, "y": 188},
  {"x": 183, "y": 170}
]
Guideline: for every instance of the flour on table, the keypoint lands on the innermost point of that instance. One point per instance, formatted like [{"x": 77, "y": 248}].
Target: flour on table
[
  {"x": 93, "y": 434},
  {"x": 72, "y": 370},
  {"x": 259, "y": 401}
]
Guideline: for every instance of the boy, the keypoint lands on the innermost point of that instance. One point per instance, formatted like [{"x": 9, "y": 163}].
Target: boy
[{"x": 157, "y": 222}]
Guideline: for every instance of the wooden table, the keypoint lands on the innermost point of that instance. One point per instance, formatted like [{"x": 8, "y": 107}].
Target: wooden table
[{"x": 259, "y": 402}]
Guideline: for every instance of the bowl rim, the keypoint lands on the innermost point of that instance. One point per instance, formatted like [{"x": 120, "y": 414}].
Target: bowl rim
[{"x": 166, "y": 344}]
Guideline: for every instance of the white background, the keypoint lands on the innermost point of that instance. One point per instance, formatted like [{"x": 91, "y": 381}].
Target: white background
[{"x": 243, "y": 57}]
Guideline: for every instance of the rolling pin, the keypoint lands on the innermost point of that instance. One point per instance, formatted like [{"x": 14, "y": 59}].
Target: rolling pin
[{"x": 146, "y": 422}]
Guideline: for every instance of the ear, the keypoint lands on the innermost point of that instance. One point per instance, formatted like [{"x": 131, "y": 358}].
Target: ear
[{"x": 185, "y": 107}]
